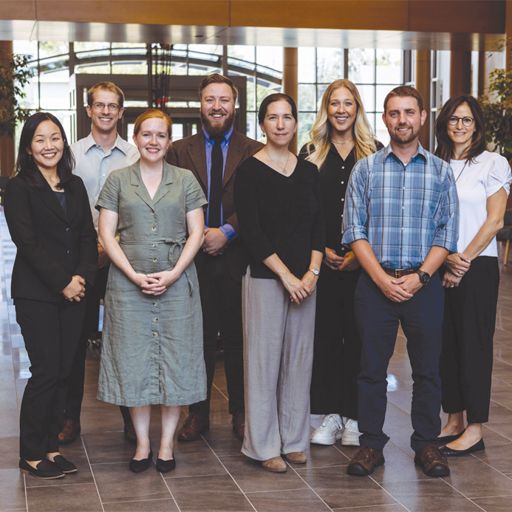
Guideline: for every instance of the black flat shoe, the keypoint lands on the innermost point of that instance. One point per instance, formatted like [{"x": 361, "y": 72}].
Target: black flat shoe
[
  {"x": 164, "y": 466},
  {"x": 138, "y": 466},
  {"x": 450, "y": 452},
  {"x": 449, "y": 439},
  {"x": 66, "y": 466},
  {"x": 45, "y": 469}
]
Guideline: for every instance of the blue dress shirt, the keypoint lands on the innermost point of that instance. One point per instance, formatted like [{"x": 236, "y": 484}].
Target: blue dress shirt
[{"x": 227, "y": 229}]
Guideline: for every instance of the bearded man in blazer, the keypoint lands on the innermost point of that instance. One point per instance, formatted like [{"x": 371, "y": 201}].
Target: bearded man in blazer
[{"x": 213, "y": 155}]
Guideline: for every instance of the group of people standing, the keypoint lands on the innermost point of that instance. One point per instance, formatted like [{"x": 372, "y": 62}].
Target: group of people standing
[{"x": 303, "y": 265}]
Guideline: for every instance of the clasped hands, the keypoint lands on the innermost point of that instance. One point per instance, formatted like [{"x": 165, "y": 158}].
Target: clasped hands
[
  {"x": 75, "y": 290},
  {"x": 299, "y": 289},
  {"x": 399, "y": 289},
  {"x": 457, "y": 265},
  {"x": 336, "y": 262},
  {"x": 155, "y": 283},
  {"x": 215, "y": 241}
]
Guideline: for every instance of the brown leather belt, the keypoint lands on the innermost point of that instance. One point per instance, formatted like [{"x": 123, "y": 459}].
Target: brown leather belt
[{"x": 399, "y": 272}]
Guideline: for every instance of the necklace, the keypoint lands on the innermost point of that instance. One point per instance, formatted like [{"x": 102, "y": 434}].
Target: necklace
[
  {"x": 458, "y": 175},
  {"x": 279, "y": 169},
  {"x": 342, "y": 142}
]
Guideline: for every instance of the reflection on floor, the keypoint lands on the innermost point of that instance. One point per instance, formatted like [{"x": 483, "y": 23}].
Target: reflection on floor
[{"x": 212, "y": 475}]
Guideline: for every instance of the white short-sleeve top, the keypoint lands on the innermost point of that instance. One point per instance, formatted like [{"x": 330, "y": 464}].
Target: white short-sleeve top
[{"x": 477, "y": 180}]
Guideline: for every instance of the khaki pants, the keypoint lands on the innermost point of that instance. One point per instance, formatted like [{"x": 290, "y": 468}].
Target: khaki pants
[{"x": 278, "y": 357}]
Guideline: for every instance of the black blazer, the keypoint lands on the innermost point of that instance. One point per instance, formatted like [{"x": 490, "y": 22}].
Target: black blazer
[{"x": 52, "y": 245}]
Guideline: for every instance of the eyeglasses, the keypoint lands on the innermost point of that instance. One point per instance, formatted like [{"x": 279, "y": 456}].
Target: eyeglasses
[
  {"x": 113, "y": 107},
  {"x": 466, "y": 121}
]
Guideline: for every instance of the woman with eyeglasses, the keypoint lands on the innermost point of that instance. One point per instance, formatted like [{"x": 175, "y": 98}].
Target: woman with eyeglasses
[
  {"x": 472, "y": 275},
  {"x": 341, "y": 135}
]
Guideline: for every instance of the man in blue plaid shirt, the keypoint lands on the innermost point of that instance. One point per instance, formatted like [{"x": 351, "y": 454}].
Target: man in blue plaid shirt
[{"x": 401, "y": 218}]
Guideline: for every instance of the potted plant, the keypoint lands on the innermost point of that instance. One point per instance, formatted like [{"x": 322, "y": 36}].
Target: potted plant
[
  {"x": 497, "y": 107},
  {"x": 14, "y": 75}
]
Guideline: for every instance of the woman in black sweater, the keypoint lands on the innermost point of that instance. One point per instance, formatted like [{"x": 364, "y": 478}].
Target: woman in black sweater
[{"x": 278, "y": 206}]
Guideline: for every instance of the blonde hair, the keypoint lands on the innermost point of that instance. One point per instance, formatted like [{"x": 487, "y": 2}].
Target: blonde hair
[
  {"x": 149, "y": 114},
  {"x": 105, "y": 86},
  {"x": 320, "y": 143}
]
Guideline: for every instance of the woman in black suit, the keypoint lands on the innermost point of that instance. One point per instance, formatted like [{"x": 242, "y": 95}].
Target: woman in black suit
[{"x": 49, "y": 219}]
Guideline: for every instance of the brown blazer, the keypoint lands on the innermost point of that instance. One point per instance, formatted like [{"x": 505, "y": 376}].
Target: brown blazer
[{"x": 189, "y": 153}]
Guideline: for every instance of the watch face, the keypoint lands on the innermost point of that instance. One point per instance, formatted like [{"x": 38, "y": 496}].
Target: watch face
[{"x": 424, "y": 277}]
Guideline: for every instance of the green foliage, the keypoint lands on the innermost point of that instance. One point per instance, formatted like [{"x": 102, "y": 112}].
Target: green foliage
[
  {"x": 497, "y": 107},
  {"x": 13, "y": 78}
]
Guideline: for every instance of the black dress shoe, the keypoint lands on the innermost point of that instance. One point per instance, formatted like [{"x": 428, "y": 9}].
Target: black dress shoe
[
  {"x": 451, "y": 452},
  {"x": 64, "y": 464},
  {"x": 449, "y": 439},
  {"x": 45, "y": 469},
  {"x": 164, "y": 466},
  {"x": 138, "y": 466}
]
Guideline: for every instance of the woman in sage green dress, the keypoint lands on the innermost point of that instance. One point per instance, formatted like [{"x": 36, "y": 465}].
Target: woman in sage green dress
[{"x": 152, "y": 336}]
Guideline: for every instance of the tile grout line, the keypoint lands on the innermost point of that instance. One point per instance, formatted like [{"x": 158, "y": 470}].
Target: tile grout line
[
  {"x": 229, "y": 473},
  {"x": 375, "y": 481},
  {"x": 170, "y": 492},
  {"x": 92, "y": 473},
  {"x": 309, "y": 486},
  {"x": 462, "y": 494},
  {"x": 25, "y": 491}
]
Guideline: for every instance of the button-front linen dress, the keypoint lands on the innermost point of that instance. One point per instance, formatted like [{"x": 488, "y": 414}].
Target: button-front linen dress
[{"x": 152, "y": 351}]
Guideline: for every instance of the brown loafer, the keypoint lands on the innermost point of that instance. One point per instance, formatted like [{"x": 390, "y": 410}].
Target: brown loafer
[
  {"x": 70, "y": 431},
  {"x": 432, "y": 461},
  {"x": 365, "y": 461},
  {"x": 194, "y": 426},
  {"x": 274, "y": 465},
  {"x": 238, "y": 422},
  {"x": 296, "y": 457}
]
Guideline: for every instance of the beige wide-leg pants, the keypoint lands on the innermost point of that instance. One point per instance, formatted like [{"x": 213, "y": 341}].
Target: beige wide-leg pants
[{"x": 278, "y": 357}]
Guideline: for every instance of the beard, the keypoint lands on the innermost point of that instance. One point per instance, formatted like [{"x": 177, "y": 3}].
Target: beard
[
  {"x": 220, "y": 127},
  {"x": 405, "y": 138}
]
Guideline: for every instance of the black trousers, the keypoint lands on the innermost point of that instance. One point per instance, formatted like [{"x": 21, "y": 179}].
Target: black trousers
[
  {"x": 469, "y": 322},
  {"x": 51, "y": 332},
  {"x": 378, "y": 319},
  {"x": 75, "y": 386},
  {"x": 75, "y": 383},
  {"x": 221, "y": 302},
  {"x": 337, "y": 350}
]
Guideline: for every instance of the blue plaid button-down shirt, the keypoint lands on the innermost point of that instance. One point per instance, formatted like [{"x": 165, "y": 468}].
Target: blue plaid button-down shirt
[{"x": 401, "y": 210}]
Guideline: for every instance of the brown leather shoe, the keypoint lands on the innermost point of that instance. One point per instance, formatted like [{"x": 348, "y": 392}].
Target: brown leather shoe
[
  {"x": 274, "y": 465},
  {"x": 432, "y": 461},
  {"x": 365, "y": 461},
  {"x": 70, "y": 431},
  {"x": 296, "y": 457},
  {"x": 238, "y": 422},
  {"x": 194, "y": 426}
]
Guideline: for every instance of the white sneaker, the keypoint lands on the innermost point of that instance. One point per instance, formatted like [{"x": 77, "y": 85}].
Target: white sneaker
[
  {"x": 350, "y": 436},
  {"x": 329, "y": 431}
]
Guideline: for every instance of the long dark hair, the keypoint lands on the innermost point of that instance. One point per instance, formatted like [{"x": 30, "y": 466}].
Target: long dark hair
[
  {"x": 25, "y": 165},
  {"x": 444, "y": 148}
]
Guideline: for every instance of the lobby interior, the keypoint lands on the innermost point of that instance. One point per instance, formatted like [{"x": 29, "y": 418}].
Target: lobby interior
[{"x": 473, "y": 38}]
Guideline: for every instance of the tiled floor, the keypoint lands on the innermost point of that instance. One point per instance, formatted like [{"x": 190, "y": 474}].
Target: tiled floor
[{"x": 212, "y": 475}]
